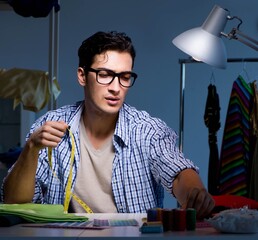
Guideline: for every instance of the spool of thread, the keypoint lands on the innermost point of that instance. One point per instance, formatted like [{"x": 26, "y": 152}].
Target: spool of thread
[
  {"x": 179, "y": 219},
  {"x": 167, "y": 219},
  {"x": 172, "y": 219},
  {"x": 159, "y": 214},
  {"x": 152, "y": 215},
  {"x": 190, "y": 219}
]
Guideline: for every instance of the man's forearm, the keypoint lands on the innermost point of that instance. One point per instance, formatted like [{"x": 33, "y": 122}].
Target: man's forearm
[
  {"x": 19, "y": 184},
  {"x": 191, "y": 193},
  {"x": 186, "y": 181}
]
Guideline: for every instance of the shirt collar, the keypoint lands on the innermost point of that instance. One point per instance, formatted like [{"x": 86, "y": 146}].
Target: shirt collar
[
  {"x": 121, "y": 130},
  {"x": 122, "y": 127},
  {"x": 75, "y": 120}
]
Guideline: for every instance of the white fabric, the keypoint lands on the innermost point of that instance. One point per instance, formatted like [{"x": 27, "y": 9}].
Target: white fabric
[{"x": 236, "y": 221}]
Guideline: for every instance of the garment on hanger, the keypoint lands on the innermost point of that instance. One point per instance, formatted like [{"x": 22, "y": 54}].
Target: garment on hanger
[
  {"x": 212, "y": 122},
  {"x": 29, "y": 87},
  {"x": 236, "y": 149},
  {"x": 253, "y": 191}
]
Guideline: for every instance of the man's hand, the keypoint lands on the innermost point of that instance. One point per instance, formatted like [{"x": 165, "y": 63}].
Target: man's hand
[
  {"x": 200, "y": 200},
  {"x": 190, "y": 193},
  {"x": 48, "y": 135}
]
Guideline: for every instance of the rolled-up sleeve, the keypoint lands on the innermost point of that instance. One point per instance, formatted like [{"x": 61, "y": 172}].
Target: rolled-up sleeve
[{"x": 166, "y": 160}]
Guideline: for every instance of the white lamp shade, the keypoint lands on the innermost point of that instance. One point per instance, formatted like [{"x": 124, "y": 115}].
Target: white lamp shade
[
  {"x": 202, "y": 46},
  {"x": 204, "y": 43}
]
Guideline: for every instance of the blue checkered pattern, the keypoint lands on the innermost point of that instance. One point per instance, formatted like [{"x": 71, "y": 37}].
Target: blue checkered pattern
[{"x": 146, "y": 159}]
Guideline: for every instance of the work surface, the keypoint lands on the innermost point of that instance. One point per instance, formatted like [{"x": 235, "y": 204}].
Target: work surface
[{"x": 28, "y": 231}]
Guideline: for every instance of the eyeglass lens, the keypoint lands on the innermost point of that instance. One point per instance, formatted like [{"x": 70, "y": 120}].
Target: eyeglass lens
[{"x": 126, "y": 79}]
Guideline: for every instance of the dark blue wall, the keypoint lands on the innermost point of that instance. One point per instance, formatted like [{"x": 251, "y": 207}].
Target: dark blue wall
[{"x": 152, "y": 25}]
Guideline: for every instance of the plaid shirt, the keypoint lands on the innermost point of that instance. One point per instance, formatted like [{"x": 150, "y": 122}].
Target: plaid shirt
[{"x": 146, "y": 159}]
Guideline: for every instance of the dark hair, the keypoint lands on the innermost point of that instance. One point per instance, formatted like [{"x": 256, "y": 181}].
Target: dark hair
[{"x": 101, "y": 42}]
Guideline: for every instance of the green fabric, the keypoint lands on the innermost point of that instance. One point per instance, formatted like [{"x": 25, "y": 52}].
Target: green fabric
[{"x": 40, "y": 213}]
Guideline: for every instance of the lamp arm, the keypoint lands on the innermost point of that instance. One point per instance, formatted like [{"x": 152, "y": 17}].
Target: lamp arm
[{"x": 248, "y": 41}]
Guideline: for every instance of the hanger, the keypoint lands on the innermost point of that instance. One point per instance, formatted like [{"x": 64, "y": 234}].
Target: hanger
[
  {"x": 212, "y": 78},
  {"x": 244, "y": 73}
]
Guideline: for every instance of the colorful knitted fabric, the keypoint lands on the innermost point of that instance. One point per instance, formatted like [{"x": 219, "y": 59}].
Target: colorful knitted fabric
[{"x": 236, "y": 152}]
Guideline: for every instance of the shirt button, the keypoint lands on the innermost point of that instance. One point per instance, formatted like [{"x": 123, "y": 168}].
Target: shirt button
[{"x": 120, "y": 208}]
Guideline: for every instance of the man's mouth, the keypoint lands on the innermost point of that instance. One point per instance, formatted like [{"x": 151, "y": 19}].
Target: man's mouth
[{"x": 112, "y": 101}]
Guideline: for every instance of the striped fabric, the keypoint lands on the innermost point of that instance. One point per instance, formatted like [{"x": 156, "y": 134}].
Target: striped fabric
[{"x": 235, "y": 156}]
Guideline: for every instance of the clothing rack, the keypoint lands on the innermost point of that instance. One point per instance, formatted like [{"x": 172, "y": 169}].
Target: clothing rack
[
  {"x": 53, "y": 51},
  {"x": 27, "y": 118},
  {"x": 183, "y": 63}
]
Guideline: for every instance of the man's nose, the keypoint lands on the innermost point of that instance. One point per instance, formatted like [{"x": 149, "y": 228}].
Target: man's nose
[{"x": 115, "y": 84}]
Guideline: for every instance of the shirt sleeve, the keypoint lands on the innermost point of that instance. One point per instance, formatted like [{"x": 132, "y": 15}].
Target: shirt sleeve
[
  {"x": 166, "y": 159},
  {"x": 41, "y": 178}
]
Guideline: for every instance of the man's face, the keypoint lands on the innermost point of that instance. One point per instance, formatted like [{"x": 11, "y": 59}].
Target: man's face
[{"x": 107, "y": 99}]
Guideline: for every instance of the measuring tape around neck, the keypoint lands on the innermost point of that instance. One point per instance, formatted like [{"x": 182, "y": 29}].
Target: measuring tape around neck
[{"x": 68, "y": 188}]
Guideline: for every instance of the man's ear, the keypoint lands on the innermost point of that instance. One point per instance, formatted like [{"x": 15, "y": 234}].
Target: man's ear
[{"x": 81, "y": 76}]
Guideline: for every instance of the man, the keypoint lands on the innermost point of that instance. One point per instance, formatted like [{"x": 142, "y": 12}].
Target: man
[{"x": 101, "y": 154}]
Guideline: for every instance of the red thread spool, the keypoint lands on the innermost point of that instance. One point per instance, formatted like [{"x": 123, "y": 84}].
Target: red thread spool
[
  {"x": 159, "y": 214},
  {"x": 179, "y": 219}
]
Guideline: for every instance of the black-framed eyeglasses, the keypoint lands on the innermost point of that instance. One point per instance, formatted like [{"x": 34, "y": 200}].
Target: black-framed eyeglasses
[{"x": 106, "y": 76}]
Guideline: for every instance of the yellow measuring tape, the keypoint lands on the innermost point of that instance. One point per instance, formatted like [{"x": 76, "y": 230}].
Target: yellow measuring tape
[{"x": 68, "y": 189}]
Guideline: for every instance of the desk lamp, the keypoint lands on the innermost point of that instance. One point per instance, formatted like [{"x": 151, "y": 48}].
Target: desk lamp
[{"x": 205, "y": 43}]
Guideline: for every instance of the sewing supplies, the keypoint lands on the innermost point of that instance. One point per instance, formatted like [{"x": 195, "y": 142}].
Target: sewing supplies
[
  {"x": 152, "y": 227},
  {"x": 68, "y": 188},
  {"x": 171, "y": 220}
]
